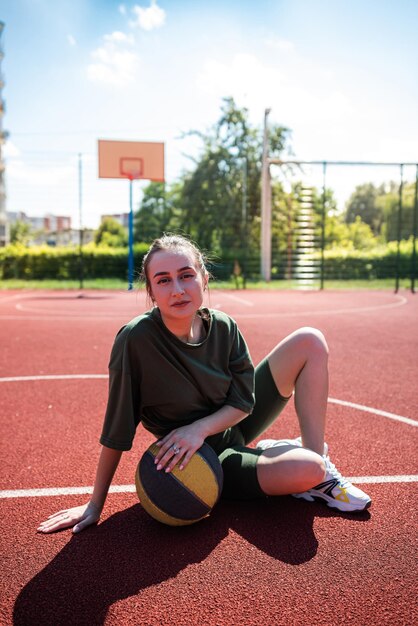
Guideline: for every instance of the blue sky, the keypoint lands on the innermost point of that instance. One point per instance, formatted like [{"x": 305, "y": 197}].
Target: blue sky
[{"x": 341, "y": 75}]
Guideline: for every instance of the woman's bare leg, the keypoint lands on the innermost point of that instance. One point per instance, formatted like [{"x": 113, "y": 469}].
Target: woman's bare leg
[
  {"x": 285, "y": 470},
  {"x": 299, "y": 364}
]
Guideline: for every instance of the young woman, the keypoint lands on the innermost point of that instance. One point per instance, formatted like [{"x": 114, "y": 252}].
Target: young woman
[{"x": 185, "y": 372}]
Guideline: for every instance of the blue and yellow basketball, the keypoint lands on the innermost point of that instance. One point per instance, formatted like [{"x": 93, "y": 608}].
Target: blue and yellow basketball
[{"x": 180, "y": 497}]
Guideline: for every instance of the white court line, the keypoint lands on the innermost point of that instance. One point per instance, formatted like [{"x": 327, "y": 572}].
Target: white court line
[
  {"x": 63, "y": 312},
  {"x": 15, "y": 296},
  {"x": 406, "y": 478},
  {"x": 22, "y": 379},
  {"x": 61, "y": 491},
  {"x": 401, "y": 300},
  {"x": 367, "y": 409},
  {"x": 74, "y": 491},
  {"x": 58, "y": 491},
  {"x": 364, "y": 309},
  {"x": 64, "y": 318},
  {"x": 238, "y": 299},
  {"x": 352, "y": 405}
]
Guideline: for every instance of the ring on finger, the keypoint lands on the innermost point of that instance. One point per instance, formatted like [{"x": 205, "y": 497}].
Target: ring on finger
[{"x": 176, "y": 449}]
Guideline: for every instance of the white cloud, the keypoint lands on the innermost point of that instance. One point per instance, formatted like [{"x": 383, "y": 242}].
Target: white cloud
[
  {"x": 114, "y": 63},
  {"x": 118, "y": 37},
  {"x": 122, "y": 9},
  {"x": 71, "y": 40},
  {"x": 257, "y": 85},
  {"x": 149, "y": 18}
]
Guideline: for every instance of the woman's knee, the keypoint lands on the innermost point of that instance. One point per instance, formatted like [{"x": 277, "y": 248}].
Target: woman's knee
[
  {"x": 310, "y": 470},
  {"x": 290, "y": 356},
  {"x": 312, "y": 341},
  {"x": 293, "y": 471}
]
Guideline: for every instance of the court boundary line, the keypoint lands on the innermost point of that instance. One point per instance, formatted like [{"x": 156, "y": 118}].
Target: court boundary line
[
  {"x": 352, "y": 405},
  {"x": 401, "y": 301},
  {"x": 19, "y": 379},
  {"x": 61, "y": 491},
  {"x": 365, "y": 309},
  {"x": 47, "y": 492},
  {"x": 367, "y": 409}
]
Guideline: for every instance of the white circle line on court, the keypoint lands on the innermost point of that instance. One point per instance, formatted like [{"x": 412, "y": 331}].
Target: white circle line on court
[
  {"x": 58, "y": 313},
  {"x": 63, "y": 316},
  {"x": 15, "y": 296},
  {"x": 48, "y": 492},
  {"x": 364, "y": 309},
  {"x": 351, "y": 405},
  {"x": 238, "y": 299}
]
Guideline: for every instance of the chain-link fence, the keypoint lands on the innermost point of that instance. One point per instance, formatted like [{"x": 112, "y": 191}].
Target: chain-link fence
[{"x": 329, "y": 221}]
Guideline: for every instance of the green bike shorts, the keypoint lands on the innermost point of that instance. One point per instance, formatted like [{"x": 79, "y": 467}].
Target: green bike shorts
[{"x": 239, "y": 462}]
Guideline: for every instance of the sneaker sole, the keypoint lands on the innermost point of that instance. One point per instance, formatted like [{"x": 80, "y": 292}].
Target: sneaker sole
[{"x": 332, "y": 503}]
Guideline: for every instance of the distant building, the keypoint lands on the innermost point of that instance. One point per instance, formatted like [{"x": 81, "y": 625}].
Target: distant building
[
  {"x": 47, "y": 223},
  {"x": 53, "y": 230},
  {"x": 36, "y": 223},
  {"x": 122, "y": 218},
  {"x": 57, "y": 223},
  {"x": 69, "y": 237}
]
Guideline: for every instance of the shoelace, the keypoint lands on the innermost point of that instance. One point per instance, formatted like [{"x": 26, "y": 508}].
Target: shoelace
[{"x": 331, "y": 469}]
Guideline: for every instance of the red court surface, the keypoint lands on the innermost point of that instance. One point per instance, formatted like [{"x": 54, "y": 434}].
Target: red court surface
[{"x": 277, "y": 561}]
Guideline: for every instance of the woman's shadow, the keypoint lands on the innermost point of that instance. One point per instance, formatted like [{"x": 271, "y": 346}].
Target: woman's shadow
[{"x": 130, "y": 551}]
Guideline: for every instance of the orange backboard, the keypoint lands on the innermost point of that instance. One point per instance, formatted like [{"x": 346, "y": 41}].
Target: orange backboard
[{"x": 131, "y": 160}]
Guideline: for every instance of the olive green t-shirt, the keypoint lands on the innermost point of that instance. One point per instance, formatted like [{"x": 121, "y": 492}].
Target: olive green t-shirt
[{"x": 164, "y": 383}]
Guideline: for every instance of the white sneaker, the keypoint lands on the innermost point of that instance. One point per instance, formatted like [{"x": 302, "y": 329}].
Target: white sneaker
[
  {"x": 276, "y": 443},
  {"x": 337, "y": 492}
]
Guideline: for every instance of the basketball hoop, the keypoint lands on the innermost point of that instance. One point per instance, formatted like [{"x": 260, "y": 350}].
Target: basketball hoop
[
  {"x": 131, "y": 160},
  {"x": 131, "y": 168}
]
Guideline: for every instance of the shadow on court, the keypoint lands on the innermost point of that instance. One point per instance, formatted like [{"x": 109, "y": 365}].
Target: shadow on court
[{"x": 129, "y": 552}]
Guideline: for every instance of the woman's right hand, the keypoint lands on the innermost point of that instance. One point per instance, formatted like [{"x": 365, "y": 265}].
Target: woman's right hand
[{"x": 79, "y": 517}]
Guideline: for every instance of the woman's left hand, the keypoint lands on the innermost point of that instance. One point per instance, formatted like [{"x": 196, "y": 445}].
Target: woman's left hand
[{"x": 178, "y": 447}]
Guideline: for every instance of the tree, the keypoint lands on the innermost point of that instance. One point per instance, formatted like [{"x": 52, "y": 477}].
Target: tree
[
  {"x": 111, "y": 233},
  {"x": 388, "y": 202},
  {"x": 220, "y": 197},
  {"x": 20, "y": 232},
  {"x": 379, "y": 207},
  {"x": 157, "y": 212},
  {"x": 363, "y": 203},
  {"x": 216, "y": 202}
]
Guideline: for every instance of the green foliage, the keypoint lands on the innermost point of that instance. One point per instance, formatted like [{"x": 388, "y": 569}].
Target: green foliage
[
  {"x": 380, "y": 262},
  {"x": 158, "y": 212},
  {"x": 379, "y": 208},
  {"x": 363, "y": 204},
  {"x": 40, "y": 262},
  {"x": 20, "y": 233},
  {"x": 43, "y": 262},
  {"x": 218, "y": 202},
  {"x": 111, "y": 234},
  {"x": 354, "y": 236}
]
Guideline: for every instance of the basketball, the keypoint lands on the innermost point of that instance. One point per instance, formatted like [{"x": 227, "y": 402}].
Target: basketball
[{"x": 180, "y": 497}]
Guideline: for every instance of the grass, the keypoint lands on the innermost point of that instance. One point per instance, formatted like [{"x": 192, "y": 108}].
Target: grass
[{"x": 120, "y": 285}]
